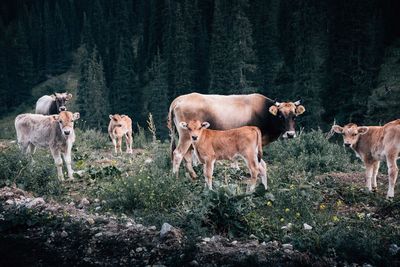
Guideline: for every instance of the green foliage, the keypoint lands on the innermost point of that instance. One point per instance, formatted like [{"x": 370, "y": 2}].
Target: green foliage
[{"x": 38, "y": 175}]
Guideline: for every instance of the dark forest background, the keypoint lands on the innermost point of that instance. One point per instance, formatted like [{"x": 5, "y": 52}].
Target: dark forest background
[{"x": 341, "y": 57}]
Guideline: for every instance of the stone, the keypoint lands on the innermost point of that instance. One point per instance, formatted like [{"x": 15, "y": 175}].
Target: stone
[
  {"x": 165, "y": 229},
  {"x": 35, "y": 202},
  {"x": 307, "y": 226},
  {"x": 287, "y": 246}
]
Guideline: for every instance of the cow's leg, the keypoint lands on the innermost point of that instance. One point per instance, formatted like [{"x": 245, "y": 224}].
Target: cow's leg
[
  {"x": 252, "y": 164},
  {"x": 24, "y": 146},
  {"x": 208, "y": 172},
  {"x": 129, "y": 141},
  {"x": 58, "y": 161},
  {"x": 263, "y": 173},
  {"x": 189, "y": 164},
  {"x": 374, "y": 174},
  {"x": 114, "y": 140},
  {"x": 393, "y": 172},
  {"x": 369, "y": 169},
  {"x": 31, "y": 149},
  {"x": 119, "y": 144},
  {"x": 68, "y": 162},
  {"x": 178, "y": 155}
]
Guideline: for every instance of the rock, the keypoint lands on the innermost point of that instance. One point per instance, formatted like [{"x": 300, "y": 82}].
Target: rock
[
  {"x": 139, "y": 249},
  {"x": 10, "y": 202},
  {"x": 206, "y": 239},
  {"x": 194, "y": 263},
  {"x": 90, "y": 221},
  {"x": 234, "y": 242},
  {"x": 288, "y": 251},
  {"x": 274, "y": 243},
  {"x": 83, "y": 203},
  {"x": 253, "y": 236},
  {"x": 263, "y": 243},
  {"x": 148, "y": 161},
  {"x": 35, "y": 202},
  {"x": 393, "y": 249},
  {"x": 64, "y": 234},
  {"x": 129, "y": 224},
  {"x": 307, "y": 226},
  {"x": 153, "y": 228},
  {"x": 287, "y": 226},
  {"x": 98, "y": 234},
  {"x": 165, "y": 228},
  {"x": 287, "y": 246}
]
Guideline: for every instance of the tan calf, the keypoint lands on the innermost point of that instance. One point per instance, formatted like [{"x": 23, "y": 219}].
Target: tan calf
[
  {"x": 55, "y": 132},
  {"x": 119, "y": 126},
  {"x": 373, "y": 144},
  {"x": 211, "y": 145}
]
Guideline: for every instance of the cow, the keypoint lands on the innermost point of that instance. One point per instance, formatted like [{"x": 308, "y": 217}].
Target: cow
[
  {"x": 119, "y": 126},
  {"x": 373, "y": 144},
  {"x": 212, "y": 145},
  {"x": 225, "y": 112},
  {"x": 52, "y": 104},
  {"x": 55, "y": 132}
]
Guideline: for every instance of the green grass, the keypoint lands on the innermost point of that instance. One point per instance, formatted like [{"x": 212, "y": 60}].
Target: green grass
[{"x": 311, "y": 180}]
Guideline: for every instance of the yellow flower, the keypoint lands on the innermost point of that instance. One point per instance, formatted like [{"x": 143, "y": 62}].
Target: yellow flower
[
  {"x": 291, "y": 186},
  {"x": 322, "y": 206},
  {"x": 269, "y": 203},
  {"x": 287, "y": 210},
  {"x": 335, "y": 218},
  {"x": 360, "y": 215},
  {"x": 282, "y": 219},
  {"x": 339, "y": 203},
  {"x": 298, "y": 215}
]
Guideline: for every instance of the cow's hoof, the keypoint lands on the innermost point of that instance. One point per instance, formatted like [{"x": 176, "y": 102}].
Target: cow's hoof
[
  {"x": 70, "y": 179},
  {"x": 374, "y": 189}
]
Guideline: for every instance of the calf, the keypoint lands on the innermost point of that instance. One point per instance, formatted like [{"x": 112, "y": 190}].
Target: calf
[
  {"x": 54, "y": 104},
  {"x": 119, "y": 126},
  {"x": 211, "y": 145},
  {"x": 373, "y": 144},
  {"x": 55, "y": 132}
]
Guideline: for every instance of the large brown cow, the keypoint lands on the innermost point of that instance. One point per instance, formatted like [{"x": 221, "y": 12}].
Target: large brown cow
[
  {"x": 212, "y": 145},
  {"x": 227, "y": 112},
  {"x": 373, "y": 144},
  {"x": 55, "y": 132}
]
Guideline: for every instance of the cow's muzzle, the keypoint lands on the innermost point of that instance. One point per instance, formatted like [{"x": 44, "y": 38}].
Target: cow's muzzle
[
  {"x": 67, "y": 132},
  {"x": 289, "y": 134},
  {"x": 62, "y": 108},
  {"x": 194, "y": 138},
  {"x": 347, "y": 144}
]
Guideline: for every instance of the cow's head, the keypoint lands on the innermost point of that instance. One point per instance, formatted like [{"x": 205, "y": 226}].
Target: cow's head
[
  {"x": 116, "y": 119},
  {"x": 351, "y": 132},
  {"x": 66, "y": 121},
  {"x": 61, "y": 100},
  {"x": 287, "y": 113},
  {"x": 195, "y": 128}
]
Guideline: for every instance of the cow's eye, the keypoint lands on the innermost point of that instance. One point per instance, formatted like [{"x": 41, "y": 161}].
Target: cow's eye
[
  {"x": 60, "y": 121},
  {"x": 354, "y": 134}
]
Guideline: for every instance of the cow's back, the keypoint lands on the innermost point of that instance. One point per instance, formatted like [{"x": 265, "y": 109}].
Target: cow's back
[
  {"x": 222, "y": 112},
  {"x": 34, "y": 128},
  {"x": 44, "y": 105}
]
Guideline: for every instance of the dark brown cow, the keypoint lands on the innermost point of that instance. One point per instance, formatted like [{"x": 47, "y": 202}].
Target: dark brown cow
[
  {"x": 227, "y": 112},
  {"x": 373, "y": 144},
  {"x": 52, "y": 104}
]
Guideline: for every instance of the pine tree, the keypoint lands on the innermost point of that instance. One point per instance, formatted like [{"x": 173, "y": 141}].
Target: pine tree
[
  {"x": 94, "y": 107},
  {"x": 155, "y": 96}
]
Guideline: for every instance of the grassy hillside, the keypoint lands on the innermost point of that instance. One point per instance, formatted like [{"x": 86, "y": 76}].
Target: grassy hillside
[{"x": 316, "y": 199}]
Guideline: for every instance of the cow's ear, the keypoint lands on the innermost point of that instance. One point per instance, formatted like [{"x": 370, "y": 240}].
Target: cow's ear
[
  {"x": 362, "y": 130},
  {"x": 183, "y": 125},
  {"x": 273, "y": 110},
  {"x": 123, "y": 115},
  {"x": 56, "y": 117},
  {"x": 300, "y": 110},
  {"x": 337, "y": 129},
  {"x": 53, "y": 96},
  {"x": 69, "y": 97},
  {"x": 76, "y": 116},
  {"x": 110, "y": 116},
  {"x": 205, "y": 124}
]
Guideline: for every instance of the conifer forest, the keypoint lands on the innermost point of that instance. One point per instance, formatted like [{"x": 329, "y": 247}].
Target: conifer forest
[{"x": 341, "y": 58}]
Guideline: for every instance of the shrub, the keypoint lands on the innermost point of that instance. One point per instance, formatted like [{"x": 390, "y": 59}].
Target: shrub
[{"x": 38, "y": 175}]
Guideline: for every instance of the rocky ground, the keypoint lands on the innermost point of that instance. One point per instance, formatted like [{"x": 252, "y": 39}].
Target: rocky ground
[{"x": 34, "y": 232}]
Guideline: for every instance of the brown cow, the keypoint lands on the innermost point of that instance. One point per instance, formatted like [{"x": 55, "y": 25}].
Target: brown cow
[
  {"x": 373, "y": 144},
  {"x": 55, "y": 132},
  {"x": 119, "y": 126},
  {"x": 227, "y": 112},
  {"x": 211, "y": 145}
]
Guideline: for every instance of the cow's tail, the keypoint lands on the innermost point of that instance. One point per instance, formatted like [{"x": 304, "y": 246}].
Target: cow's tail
[
  {"x": 172, "y": 129},
  {"x": 259, "y": 145}
]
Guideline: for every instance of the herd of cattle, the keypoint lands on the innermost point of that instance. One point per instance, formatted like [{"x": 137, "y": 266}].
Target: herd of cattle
[{"x": 211, "y": 128}]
